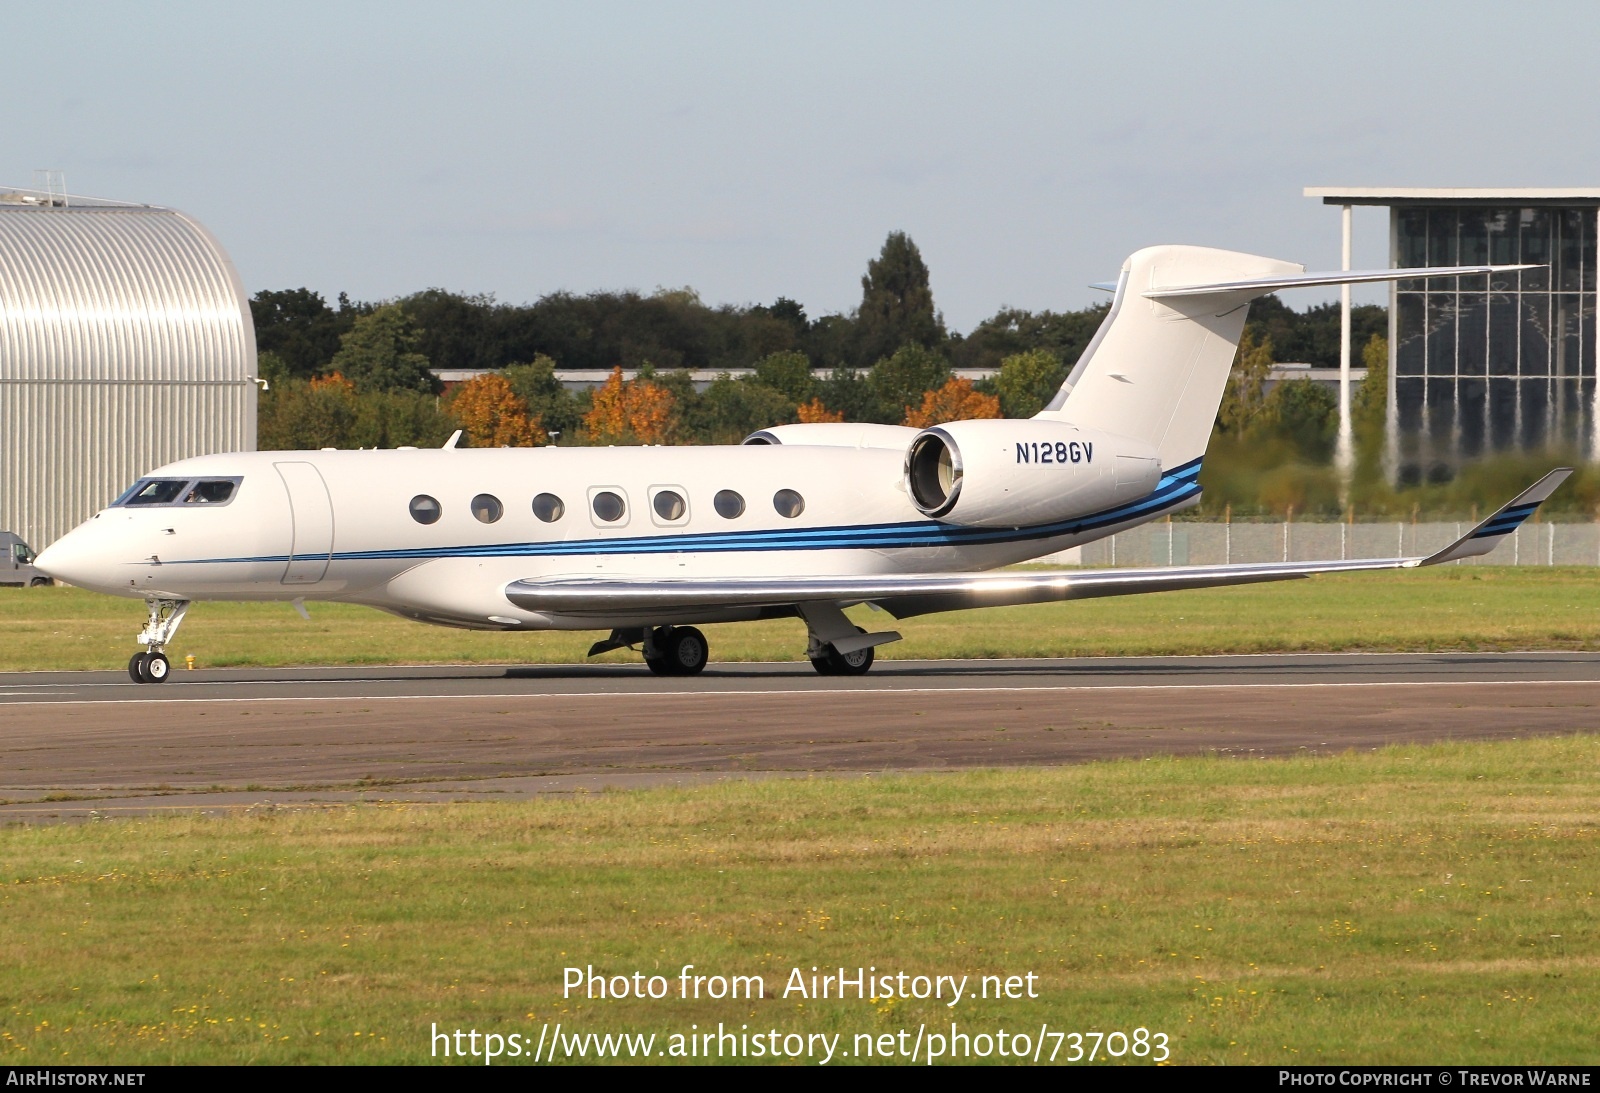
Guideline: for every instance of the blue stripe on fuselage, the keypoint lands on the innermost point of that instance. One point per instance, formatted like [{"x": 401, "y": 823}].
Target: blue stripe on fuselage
[{"x": 1173, "y": 488}]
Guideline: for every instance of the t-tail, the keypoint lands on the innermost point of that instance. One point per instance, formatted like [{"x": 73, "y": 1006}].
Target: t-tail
[{"x": 1157, "y": 368}]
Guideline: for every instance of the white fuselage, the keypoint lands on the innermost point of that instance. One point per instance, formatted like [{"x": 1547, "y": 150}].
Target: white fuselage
[{"x": 338, "y": 525}]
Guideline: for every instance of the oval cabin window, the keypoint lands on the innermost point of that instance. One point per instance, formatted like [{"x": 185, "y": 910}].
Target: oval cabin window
[
  {"x": 608, "y": 507},
  {"x": 425, "y": 510},
  {"x": 487, "y": 508},
  {"x": 788, "y": 503},
  {"x": 548, "y": 507},
  {"x": 729, "y": 505},
  {"x": 670, "y": 505}
]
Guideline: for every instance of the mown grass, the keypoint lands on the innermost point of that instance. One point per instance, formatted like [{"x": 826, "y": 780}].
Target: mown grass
[
  {"x": 1418, "y": 904},
  {"x": 1465, "y": 607}
]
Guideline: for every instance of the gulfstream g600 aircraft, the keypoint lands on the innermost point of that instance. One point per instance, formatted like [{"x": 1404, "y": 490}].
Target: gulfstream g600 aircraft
[{"x": 802, "y": 520}]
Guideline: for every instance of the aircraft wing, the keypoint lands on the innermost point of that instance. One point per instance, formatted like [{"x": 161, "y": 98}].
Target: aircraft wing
[{"x": 907, "y": 595}]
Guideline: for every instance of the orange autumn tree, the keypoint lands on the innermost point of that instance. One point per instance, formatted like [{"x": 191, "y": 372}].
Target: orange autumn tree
[
  {"x": 816, "y": 411},
  {"x": 955, "y": 401},
  {"x": 630, "y": 412},
  {"x": 495, "y": 416}
]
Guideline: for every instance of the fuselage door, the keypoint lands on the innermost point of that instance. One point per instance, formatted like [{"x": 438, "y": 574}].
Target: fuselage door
[{"x": 311, "y": 536}]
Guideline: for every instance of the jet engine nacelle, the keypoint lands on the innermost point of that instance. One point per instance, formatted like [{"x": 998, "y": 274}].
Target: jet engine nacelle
[{"x": 1005, "y": 473}]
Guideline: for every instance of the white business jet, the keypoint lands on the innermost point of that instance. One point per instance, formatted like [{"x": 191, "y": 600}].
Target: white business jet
[{"x": 801, "y": 520}]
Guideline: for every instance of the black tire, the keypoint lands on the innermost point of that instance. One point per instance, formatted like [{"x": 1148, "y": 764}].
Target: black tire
[
  {"x": 136, "y": 667},
  {"x": 157, "y": 668},
  {"x": 857, "y": 663},
  {"x": 41, "y": 582},
  {"x": 687, "y": 650},
  {"x": 659, "y": 666}
]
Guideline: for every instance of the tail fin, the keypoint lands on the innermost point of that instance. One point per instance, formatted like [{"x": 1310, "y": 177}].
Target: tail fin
[{"x": 1157, "y": 367}]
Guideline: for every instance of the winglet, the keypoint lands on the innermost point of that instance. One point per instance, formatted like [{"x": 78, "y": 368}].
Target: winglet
[
  {"x": 1505, "y": 520},
  {"x": 455, "y": 438}
]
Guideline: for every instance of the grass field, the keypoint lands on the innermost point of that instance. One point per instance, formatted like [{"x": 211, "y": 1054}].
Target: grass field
[
  {"x": 1411, "y": 905},
  {"x": 1465, "y": 607}
]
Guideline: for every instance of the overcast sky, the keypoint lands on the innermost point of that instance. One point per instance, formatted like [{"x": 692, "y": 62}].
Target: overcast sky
[{"x": 752, "y": 151}]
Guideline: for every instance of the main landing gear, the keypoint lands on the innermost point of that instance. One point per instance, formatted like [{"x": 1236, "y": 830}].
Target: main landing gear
[
  {"x": 668, "y": 650},
  {"x": 834, "y": 645},
  {"x": 152, "y": 666}
]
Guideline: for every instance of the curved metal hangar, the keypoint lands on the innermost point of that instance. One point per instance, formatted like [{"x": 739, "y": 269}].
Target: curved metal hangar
[{"x": 125, "y": 343}]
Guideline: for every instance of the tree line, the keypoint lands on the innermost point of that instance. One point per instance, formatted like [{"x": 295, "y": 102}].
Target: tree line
[{"x": 357, "y": 374}]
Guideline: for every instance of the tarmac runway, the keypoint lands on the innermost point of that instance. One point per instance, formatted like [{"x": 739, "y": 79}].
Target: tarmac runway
[{"x": 82, "y": 743}]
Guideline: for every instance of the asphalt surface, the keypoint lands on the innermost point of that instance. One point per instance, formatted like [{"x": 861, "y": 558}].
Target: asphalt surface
[{"x": 78, "y": 744}]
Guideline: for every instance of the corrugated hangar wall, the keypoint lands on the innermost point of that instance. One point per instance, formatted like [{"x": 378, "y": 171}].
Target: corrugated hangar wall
[{"x": 125, "y": 343}]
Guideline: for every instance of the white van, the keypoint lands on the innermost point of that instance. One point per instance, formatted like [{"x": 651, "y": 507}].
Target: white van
[{"x": 16, "y": 563}]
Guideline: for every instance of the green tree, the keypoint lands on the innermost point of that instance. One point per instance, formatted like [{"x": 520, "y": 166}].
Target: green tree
[
  {"x": 788, "y": 372},
  {"x": 1306, "y": 414},
  {"x": 1028, "y": 381},
  {"x": 729, "y": 410},
  {"x": 550, "y": 403},
  {"x": 898, "y": 383},
  {"x": 1243, "y": 400},
  {"x": 379, "y": 353},
  {"x": 896, "y": 303},
  {"x": 299, "y": 328}
]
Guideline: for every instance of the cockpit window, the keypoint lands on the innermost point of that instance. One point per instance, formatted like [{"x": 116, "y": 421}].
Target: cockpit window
[
  {"x": 211, "y": 491},
  {"x": 180, "y": 491},
  {"x": 155, "y": 491}
]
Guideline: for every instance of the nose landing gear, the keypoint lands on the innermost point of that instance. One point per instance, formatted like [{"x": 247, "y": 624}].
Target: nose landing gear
[{"x": 152, "y": 666}]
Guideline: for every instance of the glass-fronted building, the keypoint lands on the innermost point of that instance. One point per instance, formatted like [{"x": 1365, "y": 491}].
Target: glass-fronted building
[{"x": 1488, "y": 364}]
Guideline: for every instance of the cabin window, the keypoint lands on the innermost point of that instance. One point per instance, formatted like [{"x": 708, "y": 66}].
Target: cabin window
[
  {"x": 487, "y": 508},
  {"x": 155, "y": 491},
  {"x": 211, "y": 491},
  {"x": 608, "y": 507},
  {"x": 729, "y": 505},
  {"x": 549, "y": 508},
  {"x": 788, "y": 503},
  {"x": 669, "y": 505},
  {"x": 425, "y": 509}
]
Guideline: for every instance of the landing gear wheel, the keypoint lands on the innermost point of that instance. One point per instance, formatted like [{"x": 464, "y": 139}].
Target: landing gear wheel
[
  {"x": 41, "y": 582},
  {"x": 849, "y": 664},
  {"x": 687, "y": 651},
  {"x": 675, "y": 650},
  {"x": 136, "y": 666},
  {"x": 156, "y": 668}
]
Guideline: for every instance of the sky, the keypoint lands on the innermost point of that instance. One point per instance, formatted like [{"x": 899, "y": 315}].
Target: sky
[{"x": 752, "y": 151}]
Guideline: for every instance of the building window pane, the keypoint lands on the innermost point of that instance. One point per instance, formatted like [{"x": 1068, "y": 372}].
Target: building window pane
[
  {"x": 1441, "y": 334},
  {"x": 1534, "y": 352},
  {"x": 1502, "y": 413},
  {"x": 1472, "y": 333},
  {"x": 1408, "y": 353},
  {"x": 1502, "y": 334},
  {"x": 1472, "y": 401},
  {"x": 1536, "y": 248}
]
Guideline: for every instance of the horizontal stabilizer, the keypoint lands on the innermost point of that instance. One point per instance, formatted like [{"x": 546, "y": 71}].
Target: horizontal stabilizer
[
  {"x": 1260, "y": 286},
  {"x": 906, "y": 595}
]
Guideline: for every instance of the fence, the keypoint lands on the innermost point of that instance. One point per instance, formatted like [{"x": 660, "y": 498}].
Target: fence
[{"x": 1187, "y": 543}]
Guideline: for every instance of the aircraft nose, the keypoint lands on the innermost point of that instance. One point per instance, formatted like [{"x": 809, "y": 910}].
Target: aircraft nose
[{"x": 74, "y": 559}]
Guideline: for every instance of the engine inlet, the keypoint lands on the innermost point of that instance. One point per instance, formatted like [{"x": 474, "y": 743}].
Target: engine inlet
[{"x": 933, "y": 473}]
